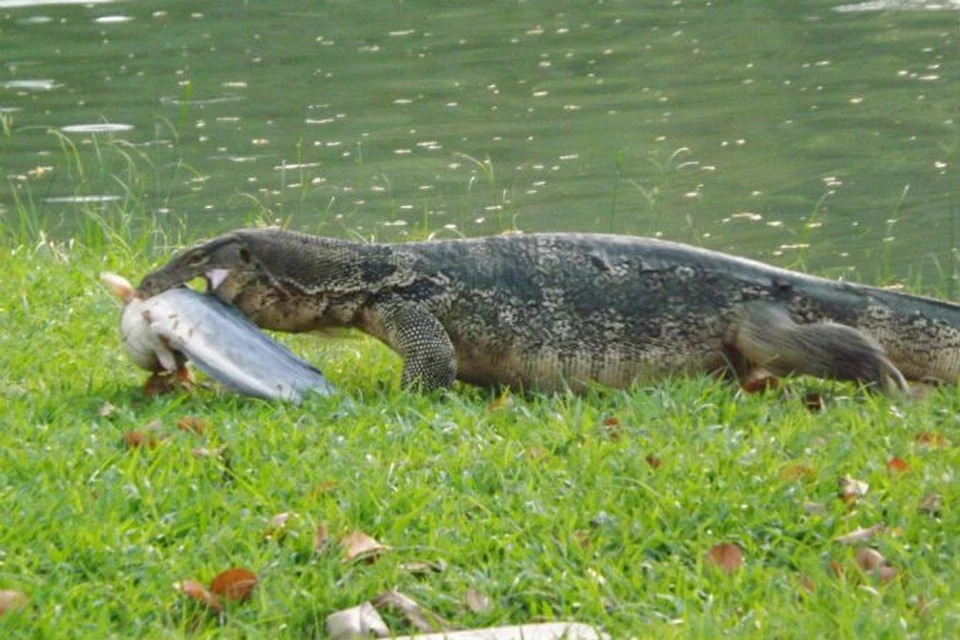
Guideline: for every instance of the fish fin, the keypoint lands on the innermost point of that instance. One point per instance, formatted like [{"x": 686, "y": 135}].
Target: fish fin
[{"x": 119, "y": 286}]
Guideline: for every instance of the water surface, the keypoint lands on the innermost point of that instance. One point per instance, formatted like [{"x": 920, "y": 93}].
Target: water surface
[{"x": 791, "y": 132}]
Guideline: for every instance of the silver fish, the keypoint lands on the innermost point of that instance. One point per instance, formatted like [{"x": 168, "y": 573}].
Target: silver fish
[{"x": 162, "y": 332}]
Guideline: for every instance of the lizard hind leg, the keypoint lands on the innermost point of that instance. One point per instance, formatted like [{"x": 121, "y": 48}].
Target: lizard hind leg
[{"x": 768, "y": 337}]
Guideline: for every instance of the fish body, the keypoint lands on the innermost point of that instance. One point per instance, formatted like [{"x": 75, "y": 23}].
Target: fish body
[{"x": 162, "y": 331}]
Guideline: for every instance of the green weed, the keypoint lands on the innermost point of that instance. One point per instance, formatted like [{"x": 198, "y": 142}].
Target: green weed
[{"x": 600, "y": 508}]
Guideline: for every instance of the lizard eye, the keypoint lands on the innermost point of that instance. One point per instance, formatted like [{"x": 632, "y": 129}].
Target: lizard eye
[
  {"x": 245, "y": 256},
  {"x": 195, "y": 260}
]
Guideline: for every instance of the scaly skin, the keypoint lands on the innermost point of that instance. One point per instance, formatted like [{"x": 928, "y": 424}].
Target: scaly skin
[{"x": 554, "y": 311}]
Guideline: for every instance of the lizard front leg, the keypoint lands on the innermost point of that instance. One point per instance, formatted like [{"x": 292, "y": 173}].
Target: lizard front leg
[
  {"x": 768, "y": 337},
  {"x": 421, "y": 341}
]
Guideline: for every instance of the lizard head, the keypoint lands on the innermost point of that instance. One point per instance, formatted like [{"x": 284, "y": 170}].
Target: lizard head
[{"x": 227, "y": 262}]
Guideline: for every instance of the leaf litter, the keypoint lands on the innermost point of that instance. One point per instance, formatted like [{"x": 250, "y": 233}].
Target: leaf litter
[
  {"x": 357, "y": 545},
  {"x": 725, "y": 556},
  {"x": 12, "y": 601}
]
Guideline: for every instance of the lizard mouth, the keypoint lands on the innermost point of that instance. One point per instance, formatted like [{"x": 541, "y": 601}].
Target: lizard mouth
[{"x": 215, "y": 278}]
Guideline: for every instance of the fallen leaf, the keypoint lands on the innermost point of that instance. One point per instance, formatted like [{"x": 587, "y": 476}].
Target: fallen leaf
[
  {"x": 192, "y": 425},
  {"x": 759, "y": 382},
  {"x": 195, "y": 590},
  {"x": 932, "y": 440},
  {"x": 277, "y": 525},
  {"x": 136, "y": 439},
  {"x": 357, "y": 622},
  {"x": 838, "y": 569},
  {"x": 159, "y": 384},
  {"x": 851, "y": 490},
  {"x": 798, "y": 472},
  {"x": 415, "y": 615},
  {"x": 476, "y": 601},
  {"x": 236, "y": 584},
  {"x": 872, "y": 562},
  {"x": 612, "y": 428},
  {"x": 930, "y": 505},
  {"x": 814, "y": 402},
  {"x": 897, "y": 465},
  {"x": 107, "y": 410},
  {"x": 359, "y": 546},
  {"x": 11, "y": 601},
  {"x": 860, "y": 535},
  {"x": 807, "y": 584},
  {"x": 887, "y": 573},
  {"x": 869, "y": 559},
  {"x": 653, "y": 461},
  {"x": 321, "y": 536},
  {"x": 725, "y": 556}
]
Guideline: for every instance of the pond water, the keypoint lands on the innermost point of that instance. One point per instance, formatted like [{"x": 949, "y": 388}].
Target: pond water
[{"x": 816, "y": 134}]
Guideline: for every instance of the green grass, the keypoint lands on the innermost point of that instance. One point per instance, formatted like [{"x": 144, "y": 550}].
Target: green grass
[{"x": 537, "y": 504}]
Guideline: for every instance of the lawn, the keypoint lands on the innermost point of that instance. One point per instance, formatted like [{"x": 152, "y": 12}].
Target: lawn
[{"x": 684, "y": 509}]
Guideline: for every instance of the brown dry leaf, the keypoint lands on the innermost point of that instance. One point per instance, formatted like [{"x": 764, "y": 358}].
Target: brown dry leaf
[
  {"x": 612, "y": 428},
  {"x": 838, "y": 569},
  {"x": 798, "y": 472},
  {"x": 860, "y": 535},
  {"x": 415, "y": 615},
  {"x": 107, "y": 410},
  {"x": 359, "y": 546},
  {"x": 321, "y": 536},
  {"x": 11, "y": 601},
  {"x": 277, "y": 526},
  {"x": 897, "y": 465},
  {"x": 930, "y": 505},
  {"x": 872, "y": 562},
  {"x": 869, "y": 559},
  {"x": 807, "y": 584},
  {"x": 476, "y": 601},
  {"x": 653, "y": 461},
  {"x": 356, "y": 622},
  {"x": 195, "y": 590},
  {"x": 850, "y": 489},
  {"x": 814, "y": 402},
  {"x": 190, "y": 424},
  {"x": 725, "y": 556},
  {"x": 759, "y": 381},
  {"x": 136, "y": 439},
  {"x": 159, "y": 384},
  {"x": 887, "y": 573},
  {"x": 234, "y": 584},
  {"x": 932, "y": 440}
]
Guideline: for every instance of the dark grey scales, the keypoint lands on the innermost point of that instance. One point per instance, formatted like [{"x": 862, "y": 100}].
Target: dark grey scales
[{"x": 555, "y": 311}]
